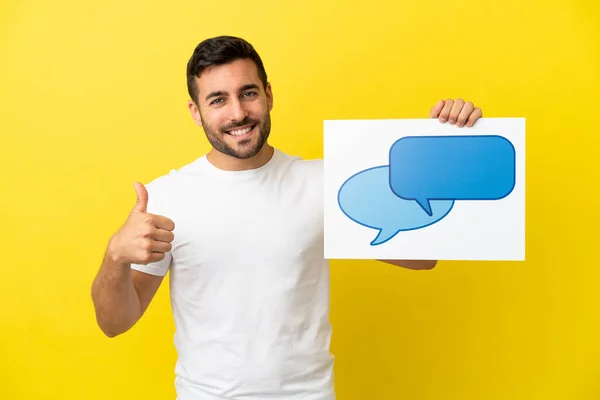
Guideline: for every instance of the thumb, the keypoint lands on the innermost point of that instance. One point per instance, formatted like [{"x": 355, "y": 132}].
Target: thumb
[{"x": 142, "y": 198}]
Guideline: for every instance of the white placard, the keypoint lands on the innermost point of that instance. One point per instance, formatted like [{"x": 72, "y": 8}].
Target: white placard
[{"x": 419, "y": 189}]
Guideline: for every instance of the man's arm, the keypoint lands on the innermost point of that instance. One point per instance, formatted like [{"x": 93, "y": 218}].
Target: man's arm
[
  {"x": 122, "y": 295},
  {"x": 412, "y": 264},
  {"x": 456, "y": 113}
]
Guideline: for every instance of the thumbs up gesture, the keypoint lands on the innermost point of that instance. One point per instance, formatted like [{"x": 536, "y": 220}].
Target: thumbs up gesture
[{"x": 144, "y": 237}]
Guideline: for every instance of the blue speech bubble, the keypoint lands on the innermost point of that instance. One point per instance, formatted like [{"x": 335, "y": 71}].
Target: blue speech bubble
[
  {"x": 367, "y": 198},
  {"x": 426, "y": 168}
]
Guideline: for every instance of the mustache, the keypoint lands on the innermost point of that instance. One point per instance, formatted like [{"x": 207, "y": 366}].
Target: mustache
[{"x": 245, "y": 121}]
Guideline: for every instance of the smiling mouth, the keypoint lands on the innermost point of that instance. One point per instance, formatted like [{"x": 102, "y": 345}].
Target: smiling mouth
[{"x": 241, "y": 132}]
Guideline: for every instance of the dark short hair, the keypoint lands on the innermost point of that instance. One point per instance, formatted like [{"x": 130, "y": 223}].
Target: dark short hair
[{"x": 218, "y": 51}]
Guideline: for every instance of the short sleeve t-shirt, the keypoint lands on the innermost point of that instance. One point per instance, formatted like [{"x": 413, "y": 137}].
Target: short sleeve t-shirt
[{"x": 249, "y": 282}]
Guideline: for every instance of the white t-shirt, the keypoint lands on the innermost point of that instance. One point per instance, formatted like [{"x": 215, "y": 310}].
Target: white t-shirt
[{"x": 249, "y": 282}]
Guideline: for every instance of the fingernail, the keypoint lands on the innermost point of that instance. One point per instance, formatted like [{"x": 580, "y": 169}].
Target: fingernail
[
  {"x": 452, "y": 121},
  {"x": 459, "y": 124},
  {"x": 442, "y": 119}
]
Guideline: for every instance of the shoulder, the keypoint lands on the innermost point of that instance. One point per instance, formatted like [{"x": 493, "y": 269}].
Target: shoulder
[
  {"x": 297, "y": 165},
  {"x": 174, "y": 182}
]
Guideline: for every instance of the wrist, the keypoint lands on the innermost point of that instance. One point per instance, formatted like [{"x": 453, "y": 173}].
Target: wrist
[{"x": 114, "y": 256}]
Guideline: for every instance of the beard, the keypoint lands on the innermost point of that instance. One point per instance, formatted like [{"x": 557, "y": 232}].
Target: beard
[{"x": 244, "y": 148}]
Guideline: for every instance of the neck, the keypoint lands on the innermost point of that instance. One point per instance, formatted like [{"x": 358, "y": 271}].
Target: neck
[{"x": 230, "y": 163}]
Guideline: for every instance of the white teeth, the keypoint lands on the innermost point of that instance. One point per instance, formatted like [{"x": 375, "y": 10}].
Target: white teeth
[{"x": 240, "y": 132}]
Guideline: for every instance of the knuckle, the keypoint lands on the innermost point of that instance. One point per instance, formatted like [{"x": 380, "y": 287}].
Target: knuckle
[
  {"x": 146, "y": 246},
  {"x": 147, "y": 231},
  {"x": 145, "y": 257}
]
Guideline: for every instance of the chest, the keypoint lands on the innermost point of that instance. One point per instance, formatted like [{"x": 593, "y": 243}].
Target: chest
[{"x": 250, "y": 225}]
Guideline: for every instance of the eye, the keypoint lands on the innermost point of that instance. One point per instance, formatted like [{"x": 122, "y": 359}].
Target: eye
[
  {"x": 249, "y": 94},
  {"x": 215, "y": 101}
]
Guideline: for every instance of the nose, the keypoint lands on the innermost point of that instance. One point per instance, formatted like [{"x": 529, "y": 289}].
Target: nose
[{"x": 237, "y": 110}]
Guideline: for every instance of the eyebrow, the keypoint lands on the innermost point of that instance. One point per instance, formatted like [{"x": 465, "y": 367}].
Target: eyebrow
[
  {"x": 215, "y": 94},
  {"x": 223, "y": 93}
]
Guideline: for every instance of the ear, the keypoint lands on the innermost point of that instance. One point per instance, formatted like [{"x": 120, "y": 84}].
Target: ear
[
  {"x": 195, "y": 112},
  {"x": 269, "y": 93}
]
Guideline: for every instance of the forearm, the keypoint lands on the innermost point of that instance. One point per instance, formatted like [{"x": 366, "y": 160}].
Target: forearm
[
  {"x": 412, "y": 264},
  {"x": 115, "y": 299}
]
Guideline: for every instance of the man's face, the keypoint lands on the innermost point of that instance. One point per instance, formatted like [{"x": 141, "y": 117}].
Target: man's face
[{"x": 233, "y": 108}]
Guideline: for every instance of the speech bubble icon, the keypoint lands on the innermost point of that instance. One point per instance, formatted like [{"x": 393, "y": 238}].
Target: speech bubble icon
[
  {"x": 367, "y": 199},
  {"x": 426, "y": 168}
]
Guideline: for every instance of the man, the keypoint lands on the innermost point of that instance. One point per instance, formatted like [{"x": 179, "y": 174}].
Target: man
[{"x": 241, "y": 230}]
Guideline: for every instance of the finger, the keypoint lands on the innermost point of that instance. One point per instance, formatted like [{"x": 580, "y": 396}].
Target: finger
[
  {"x": 163, "y": 235},
  {"x": 162, "y": 222},
  {"x": 153, "y": 256},
  {"x": 141, "y": 203},
  {"x": 435, "y": 111},
  {"x": 151, "y": 250},
  {"x": 446, "y": 110},
  {"x": 464, "y": 114},
  {"x": 456, "y": 108},
  {"x": 157, "y": 256},
  {"x": 475, "y": 115},
  {"x": 161, "y": 247}
]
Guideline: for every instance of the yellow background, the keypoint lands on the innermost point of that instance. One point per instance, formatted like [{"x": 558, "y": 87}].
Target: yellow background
[{"x": 93, "y": 98}]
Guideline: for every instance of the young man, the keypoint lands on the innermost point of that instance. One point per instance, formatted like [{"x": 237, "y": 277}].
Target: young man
[{"x": 241, "y": 230}]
